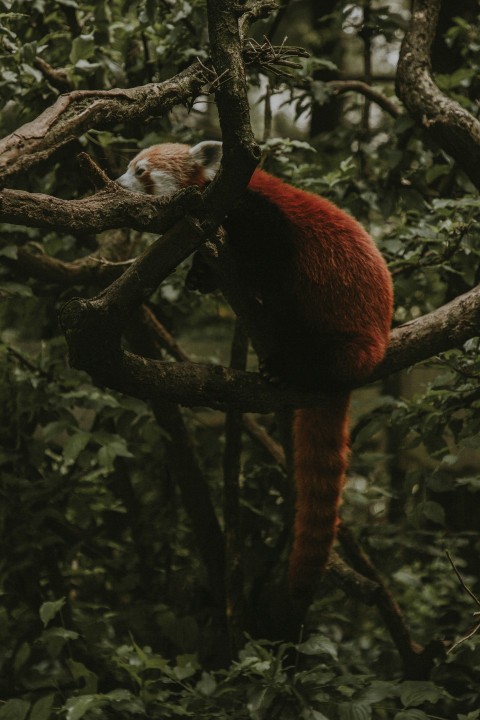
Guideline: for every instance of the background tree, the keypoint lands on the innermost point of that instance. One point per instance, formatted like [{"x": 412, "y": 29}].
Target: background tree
[{"x": 139, "y": 542}]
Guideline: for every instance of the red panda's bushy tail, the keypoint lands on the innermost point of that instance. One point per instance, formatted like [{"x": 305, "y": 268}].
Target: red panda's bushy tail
[{"x": 321, "y": 448}]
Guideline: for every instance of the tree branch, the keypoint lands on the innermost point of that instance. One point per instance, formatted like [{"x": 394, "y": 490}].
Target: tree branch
[
  {"x": 90, "y": 269},
  {"x": 99, "y": 322},
  {"x": 450, "y": 124},
  {"x": 112, "y": 207},
  {"x": 235, "y": 601},
  {"x": 57, "y": 77},
  {"x": 447, "y": 327},
  {"x": 343, "y": 86},
  {"x": 353, "y": 583},
  {"x": 241, "y": 153},
  {"x": 417, "y": 661},
  {"x": 184, "y": 467},
  {"x": 215, "y": 386},
  {"x": 78, "y": 111}
]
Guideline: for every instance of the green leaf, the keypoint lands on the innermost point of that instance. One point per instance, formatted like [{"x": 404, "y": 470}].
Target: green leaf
[
  {"x": 318, "y": 645},
  {"x": 354, "y": 711},
  {"x": 113, "y": 449},
  {"x": 261, "y": 700},
  {"x": 83, "y": 48},
  {"x": 120, "y": 695},
  {"x": 42, "y": 709},
  {"x": 77, "y": 707},
  {"x": 378, "y": 690},
  {"x": 416, "y": 692},
  {"x": 471, "y": 441},
  {"x": 80, "y": 672},
  {"x": 9, "y": 251},
  {"x": 434, "y": 512},
  {"x": 207, "y": 684},
  {"x": 13, "y": 288},
  {"x": 21, "y": 656},
  {"x": 311, "y": 714},
  {"x": 14, "y": 710},
  {"x": 74, "y": 446},
  {"x": 411, "y": 714},
  {"x": 50, "y": 609}
]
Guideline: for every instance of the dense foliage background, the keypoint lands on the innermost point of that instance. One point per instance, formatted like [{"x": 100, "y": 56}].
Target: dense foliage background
[{"x": 106, "y": 609}]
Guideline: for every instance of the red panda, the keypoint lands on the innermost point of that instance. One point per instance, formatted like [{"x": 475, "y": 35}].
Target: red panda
[{"x": 328, "y": 296}]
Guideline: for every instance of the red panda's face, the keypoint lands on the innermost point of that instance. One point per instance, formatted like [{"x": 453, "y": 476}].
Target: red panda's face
[{"x": 166, "y": 169}]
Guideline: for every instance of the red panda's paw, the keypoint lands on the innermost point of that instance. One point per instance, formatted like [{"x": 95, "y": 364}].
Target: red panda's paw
[
  {"x": 271, "y": 371},
  {"x": 299, "y": 369},
  {"x": 201, "y": 277}
]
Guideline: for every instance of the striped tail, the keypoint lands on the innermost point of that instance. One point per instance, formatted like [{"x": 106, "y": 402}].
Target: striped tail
[{"x": 321, "y": 448}]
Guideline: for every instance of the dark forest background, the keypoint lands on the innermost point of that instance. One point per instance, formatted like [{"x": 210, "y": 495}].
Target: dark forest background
[{"x": 115, "y": 505}]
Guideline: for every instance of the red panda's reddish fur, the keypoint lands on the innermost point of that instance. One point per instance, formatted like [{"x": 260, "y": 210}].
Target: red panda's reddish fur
[
  {"x": 359, "y": 306},
  {"x": 331, "y": 299}
]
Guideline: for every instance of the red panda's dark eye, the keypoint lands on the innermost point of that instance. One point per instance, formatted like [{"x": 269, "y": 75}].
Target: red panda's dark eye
[{"x": 139, "y": 171}]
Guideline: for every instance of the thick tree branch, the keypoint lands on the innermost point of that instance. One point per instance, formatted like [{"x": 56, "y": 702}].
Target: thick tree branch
[
  {"x": 100, "y": 321},
  {"x": 214, "y": 386},
  {"x": 112, "y": 207},
  {"x": 449, "y": 326},
  {"x": 76, "y": 112},
  {"x": 80, "y": 110},
  {"x": 450, "y": 124},
  {"x": 240, "y": 151},
  {"x": 193, "y": 384}
]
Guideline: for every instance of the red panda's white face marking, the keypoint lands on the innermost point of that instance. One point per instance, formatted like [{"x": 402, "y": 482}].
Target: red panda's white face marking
[{"x": 166, "y": 169}]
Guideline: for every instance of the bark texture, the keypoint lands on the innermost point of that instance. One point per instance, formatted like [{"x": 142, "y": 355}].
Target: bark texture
[
  {"x": 76, "y": 112},
  {"x": 455, "y": 129}
]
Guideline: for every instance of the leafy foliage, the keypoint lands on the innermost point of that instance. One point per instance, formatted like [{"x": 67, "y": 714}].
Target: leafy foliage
[{"x": 106, "y": 609}]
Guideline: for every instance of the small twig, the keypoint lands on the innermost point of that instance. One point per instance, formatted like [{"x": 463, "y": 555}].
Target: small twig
[
  {"x": 258, "y": 433},
  {"x": 159, "y": 335},
  {"x": 98, "y": 177},
  {"x": 57, "y": 77},
  {"x": 343, "y": 86},
  {"x": 462, "y": 581},
  {"x": 89, "y": 269},
  {"x": 417, "y": 660},
  {"x": 456, "y": 368},
  {"x": 26, "y": 363},
  {"x": 470, "y": 592},
  {"x": 270, "y": 56},
  {"x": 254, "y": 10},
  {"x": 214, "y": 83},
  {"x": 430, "y": 259},
  {"x": 466, "y": 637}
]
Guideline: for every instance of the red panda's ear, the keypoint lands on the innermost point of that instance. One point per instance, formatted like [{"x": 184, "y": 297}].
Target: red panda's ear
[{"x": 208, "y": 154}]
